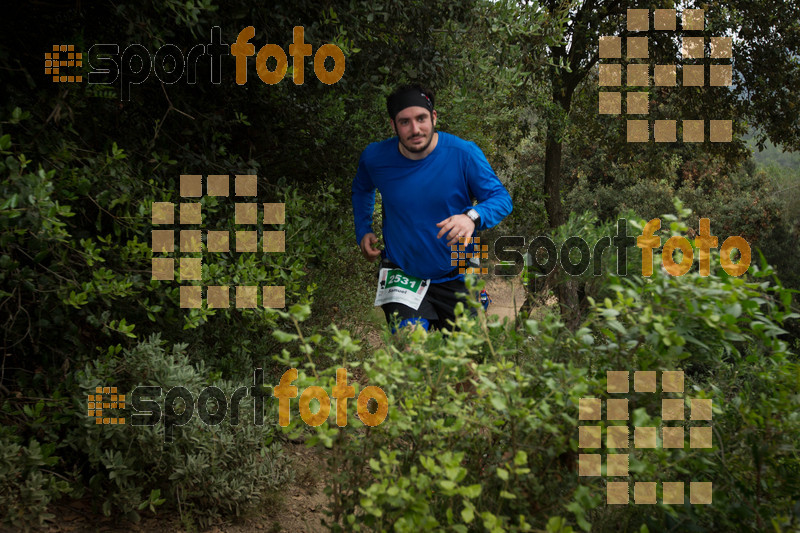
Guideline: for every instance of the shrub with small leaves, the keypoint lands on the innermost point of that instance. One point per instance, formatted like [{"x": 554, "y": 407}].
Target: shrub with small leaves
[{"x": 206, "y": 471}]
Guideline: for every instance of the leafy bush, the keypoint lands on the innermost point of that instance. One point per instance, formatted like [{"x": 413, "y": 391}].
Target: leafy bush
[
  {"x": 481, "y": 432},
  {"x": 205, "y": 472},
  {"x": 81, "y": 298},
  {"x": 29, "y": 486}
]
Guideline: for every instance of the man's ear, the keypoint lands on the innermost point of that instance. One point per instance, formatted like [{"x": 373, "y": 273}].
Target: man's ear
[
  {"x": 394, "y": 129},
  {"x": 433, "y": 114}
]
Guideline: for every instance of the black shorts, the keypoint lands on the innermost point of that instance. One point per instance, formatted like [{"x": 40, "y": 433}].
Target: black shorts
[{"x": 436, "y": 308}]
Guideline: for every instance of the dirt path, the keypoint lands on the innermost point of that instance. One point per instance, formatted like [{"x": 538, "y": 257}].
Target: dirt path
[
  {"x": 507, "y": 294},
  {"x": 305, "y": 501}
]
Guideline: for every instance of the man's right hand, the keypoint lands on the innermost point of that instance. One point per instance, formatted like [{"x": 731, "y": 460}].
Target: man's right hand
[{"x": 368, "y": 242}]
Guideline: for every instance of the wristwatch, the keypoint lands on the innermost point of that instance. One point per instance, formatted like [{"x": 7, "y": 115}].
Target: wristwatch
[{"x": 473, "y": 216}]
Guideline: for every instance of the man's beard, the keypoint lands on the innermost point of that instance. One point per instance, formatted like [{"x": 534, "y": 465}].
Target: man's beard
[{"x": 414, "y": 150}]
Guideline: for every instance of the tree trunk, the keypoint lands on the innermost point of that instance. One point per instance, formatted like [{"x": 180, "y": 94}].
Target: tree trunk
[
  {"x": 566, "y": 288},
  {"x": 552, "y": 181},
  {"x": 584, "y": 18}
]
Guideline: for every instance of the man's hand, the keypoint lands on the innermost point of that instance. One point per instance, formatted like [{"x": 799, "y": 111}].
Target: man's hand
[
  {"x": 456, "y": 226},
  {"x": 367, "y": 245}
]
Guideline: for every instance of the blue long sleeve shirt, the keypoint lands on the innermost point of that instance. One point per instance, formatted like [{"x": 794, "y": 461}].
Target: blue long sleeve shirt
[{"x": 418, "y": 194}]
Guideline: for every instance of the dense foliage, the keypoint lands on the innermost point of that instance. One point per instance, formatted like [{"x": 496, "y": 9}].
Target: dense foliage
[
  {"x": 482, "y": 431},
  {"x": 482, "y": 426}
]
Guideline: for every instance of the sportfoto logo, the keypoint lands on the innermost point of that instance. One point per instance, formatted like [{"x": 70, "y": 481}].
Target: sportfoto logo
[
  {"x": 169, "y": 65},
  {"x": 179, "y": 404},
  {"x": 510, "y": 253}
]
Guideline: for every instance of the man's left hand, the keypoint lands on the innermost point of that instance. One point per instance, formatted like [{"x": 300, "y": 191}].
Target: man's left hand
[{"x": 456, "y": 227}]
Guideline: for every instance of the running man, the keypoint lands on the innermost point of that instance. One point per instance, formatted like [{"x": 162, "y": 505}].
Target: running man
[
  {"x": 485, "y": 299},
  {"x": 427, "y": 180}
]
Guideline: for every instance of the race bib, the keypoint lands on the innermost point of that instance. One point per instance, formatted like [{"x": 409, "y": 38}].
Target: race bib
[{"x": 397, "y": 287}]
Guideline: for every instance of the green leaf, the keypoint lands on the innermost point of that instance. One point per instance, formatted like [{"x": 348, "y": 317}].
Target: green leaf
[
  {"x": 521, "y": 458},
  {"x": 498, "y": 402},
  {"x": 300, "y": 312},
  {"x": 446, "y": 484},
  {"x": 471, "y": 491},
  {"x": 282, "y": 336},
  {"x": 557, "y": 524},
  {"x": 735, "y": 310}
]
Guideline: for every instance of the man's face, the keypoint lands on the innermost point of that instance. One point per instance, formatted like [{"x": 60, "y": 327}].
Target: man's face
[{"x": 414, "y": 127}]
